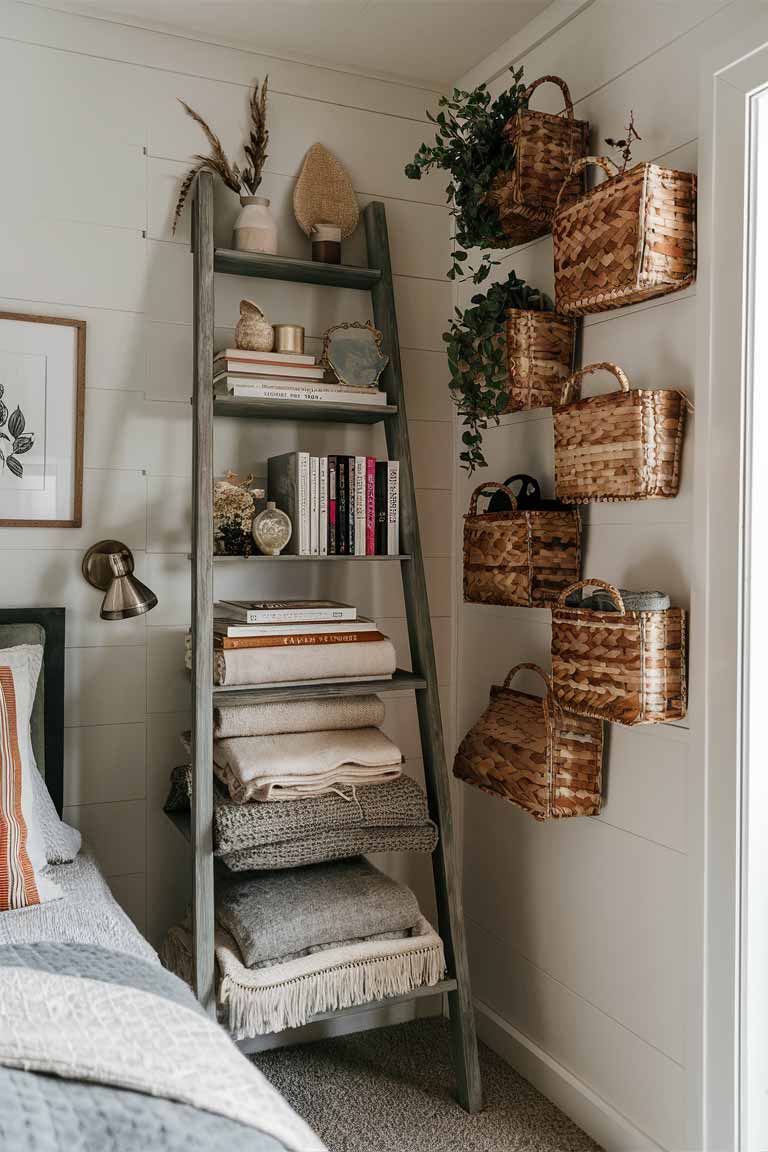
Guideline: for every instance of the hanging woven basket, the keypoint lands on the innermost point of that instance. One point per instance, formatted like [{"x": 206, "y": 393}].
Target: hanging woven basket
[
  {"x": 624, "y": 666},
  {"x": 546, "y": 148},
  {"x": 540, "y": 348},
  {"x": 630, "y": 238},
  {"x": 620, "y": 446},
  {"x": 519, "y": 557},
  {"x": 528, "y": 751}
]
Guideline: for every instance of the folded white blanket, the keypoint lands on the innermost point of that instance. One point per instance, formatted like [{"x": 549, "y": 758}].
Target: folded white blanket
[
  {"x": 318, "y": 715},
  {"x": 292, "y": 765},
  {"x": 281, "y": 665}
]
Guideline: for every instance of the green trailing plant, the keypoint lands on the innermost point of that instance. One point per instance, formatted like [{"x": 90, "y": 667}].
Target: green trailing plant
[
  {"x": 245, "y": 181},
  {"x": 477, "y": 359},
  {"x": 471, "y": 146}
]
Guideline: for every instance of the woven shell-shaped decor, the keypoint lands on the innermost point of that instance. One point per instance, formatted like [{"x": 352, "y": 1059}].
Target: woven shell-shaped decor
[
  {"x": 528, "y": 751},
  {"x": 539, "y": 357},
  {"x": 519, "y": 557},
  {"x": 324, "y": 193},
  {"x": 624, "y": 666}
]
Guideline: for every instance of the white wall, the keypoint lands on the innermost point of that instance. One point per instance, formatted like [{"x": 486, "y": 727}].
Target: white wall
[
  {"x": 585, "y": 937},
  {"x": 95, "y": 144}
]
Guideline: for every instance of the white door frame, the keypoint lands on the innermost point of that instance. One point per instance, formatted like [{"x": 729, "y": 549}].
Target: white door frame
[{"x": 720, "y": 595}]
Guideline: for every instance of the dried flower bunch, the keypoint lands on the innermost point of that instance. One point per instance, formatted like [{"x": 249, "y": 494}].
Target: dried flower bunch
[
  {"x": 626, "y": 144},
  {"x": 245, "y": 181}
]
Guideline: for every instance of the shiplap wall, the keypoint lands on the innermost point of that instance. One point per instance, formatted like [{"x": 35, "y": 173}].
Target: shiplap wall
[
  {"x": 99, "y": 142},
  {"x": 585, "y": 935}
]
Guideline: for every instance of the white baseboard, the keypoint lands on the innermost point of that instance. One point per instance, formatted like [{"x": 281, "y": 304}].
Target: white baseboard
[{"x": 598, "y": 1119}]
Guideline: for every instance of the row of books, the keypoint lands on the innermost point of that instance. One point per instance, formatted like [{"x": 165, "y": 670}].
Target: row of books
[
  {"x": 284, "y": 376},
  {"x": 338, "y": 505},
  {"x": 277, "y": 623}
]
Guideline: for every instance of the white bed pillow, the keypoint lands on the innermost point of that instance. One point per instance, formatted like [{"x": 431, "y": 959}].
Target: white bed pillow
[
  {"x": 62, "y": 842},
  {"x": 22, "y": 846}
]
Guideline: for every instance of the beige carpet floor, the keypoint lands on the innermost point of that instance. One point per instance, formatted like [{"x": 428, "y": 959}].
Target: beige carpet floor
[{"x": 389, "y": 1090}]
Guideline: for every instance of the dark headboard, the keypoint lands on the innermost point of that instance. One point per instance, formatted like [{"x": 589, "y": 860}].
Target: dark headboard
[{"x": 48, "y": 712}]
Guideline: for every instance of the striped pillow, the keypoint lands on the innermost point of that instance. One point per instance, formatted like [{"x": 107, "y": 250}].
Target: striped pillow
[{"x": 22, "y": 850}]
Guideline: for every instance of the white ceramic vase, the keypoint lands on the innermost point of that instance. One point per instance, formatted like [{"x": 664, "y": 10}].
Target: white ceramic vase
[{"x": 255, "y": 228}]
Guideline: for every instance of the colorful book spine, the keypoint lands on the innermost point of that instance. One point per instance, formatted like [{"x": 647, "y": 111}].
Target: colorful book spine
[
  {"x": 360, "y": 482},
  {"x": 322, "y": 510},
  {"x": 304, "y": 499},
  {"x": 382, "y": 471},
  {"x": 351, "y": 541},
  {"x": 393, "y": 507},
  {"x": 228, "y": 643},
  {"x": 314, "y": 505},
  {"x": 332, "y": 505},
  {"x": 342, "y": 523},
  {"x": 370, "y": 506}
]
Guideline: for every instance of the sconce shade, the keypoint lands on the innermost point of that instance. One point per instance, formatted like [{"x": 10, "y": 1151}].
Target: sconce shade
[{"x": 108, "y": 566}]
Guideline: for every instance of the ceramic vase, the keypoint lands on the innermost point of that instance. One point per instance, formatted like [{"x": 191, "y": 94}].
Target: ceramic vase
[
  {"x": 255, "y": 228},
  {"x": 253, "y": 330},
  {"x": 272, "y": 530}
]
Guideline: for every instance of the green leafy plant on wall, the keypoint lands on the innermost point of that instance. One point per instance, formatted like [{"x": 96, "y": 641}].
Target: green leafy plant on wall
[
  {"x": 471, "y": 146},
  {"x": 477, "y": 359}
]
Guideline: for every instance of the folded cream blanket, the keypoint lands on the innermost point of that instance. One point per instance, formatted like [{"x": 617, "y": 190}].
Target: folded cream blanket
[
  {"x": 284, "y": 665},
  {"x": 292, "y": 765},
  {"x": 274, "y": 915},
  {"x": 317, "y": 715},
  {"x": 254, "y": 1001}
]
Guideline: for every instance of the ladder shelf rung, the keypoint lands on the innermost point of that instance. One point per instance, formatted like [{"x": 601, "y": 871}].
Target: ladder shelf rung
[
  {"x": 219, "y": 558},
  {"x": 400, "y": 681},
  {"x": 317, "y": 411},
  {"x": 268, "y": 267}
]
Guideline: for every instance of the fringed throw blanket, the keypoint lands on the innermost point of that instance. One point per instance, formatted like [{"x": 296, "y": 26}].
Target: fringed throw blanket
[
  {"x": 114, "y": 1026},
  {"x": 280, "y": 914},
  {"x": 294, "y": 765},
  {"x": 389, "y": 817},
  {"x": 318, "y": 715},
  {"x": 254, "y": 1001}
]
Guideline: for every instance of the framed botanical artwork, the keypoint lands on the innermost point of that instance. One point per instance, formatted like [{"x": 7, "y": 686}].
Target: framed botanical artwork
[{"x": 42, "y": 411}]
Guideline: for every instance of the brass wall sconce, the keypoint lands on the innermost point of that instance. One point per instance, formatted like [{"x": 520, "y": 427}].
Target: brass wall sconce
[{"x": 108, "y": 566}]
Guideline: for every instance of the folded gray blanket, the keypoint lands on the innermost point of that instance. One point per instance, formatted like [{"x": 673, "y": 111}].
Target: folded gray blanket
[
  {"x": 316, "y": 715},
  {"x": 278, "y": 915},
  {"x": 633, "y": 601},
  {"x": 388, "y": 817}
]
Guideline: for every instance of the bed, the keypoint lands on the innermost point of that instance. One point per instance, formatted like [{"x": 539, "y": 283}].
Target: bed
[{"x": 102, "y": 1049}]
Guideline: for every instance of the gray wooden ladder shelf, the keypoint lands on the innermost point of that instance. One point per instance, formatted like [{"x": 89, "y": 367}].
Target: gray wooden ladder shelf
[{"x": 377, "y": 279}]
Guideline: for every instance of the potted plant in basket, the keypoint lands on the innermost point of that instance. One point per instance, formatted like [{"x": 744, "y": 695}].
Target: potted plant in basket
[
  {"x": 508, "y": 351},
  {"x": 255, "y": 228}
]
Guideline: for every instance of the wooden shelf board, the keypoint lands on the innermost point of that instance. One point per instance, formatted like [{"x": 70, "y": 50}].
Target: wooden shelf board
[
  {"x": 317, "y": 411},
  {"x": 311, "y": 559},
  {"x": 268, "y": 694},
  {"x": 234, "y": 263}
]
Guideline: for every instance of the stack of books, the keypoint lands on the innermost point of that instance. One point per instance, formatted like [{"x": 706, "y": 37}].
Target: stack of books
[
  {"x": 338, "y": 505},
  {"x": 284, "y": 376}
]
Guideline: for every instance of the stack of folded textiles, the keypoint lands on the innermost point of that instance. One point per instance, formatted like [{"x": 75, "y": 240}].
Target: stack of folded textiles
[
  {"x": 285, "y": 641},
  {"x": 293, "y": 944}
]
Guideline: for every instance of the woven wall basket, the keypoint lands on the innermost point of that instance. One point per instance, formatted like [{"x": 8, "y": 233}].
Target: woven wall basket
[
  {"x": 621, "y": 446},
  {"x": 546, "y": 148},
  {"x": 539, "y": 356},
  {"x": 629, "y": 238},
  {"x": 519, "y": 557},
  {"x": 627, "y": 667},
  {"x": 527, "y": 750}
]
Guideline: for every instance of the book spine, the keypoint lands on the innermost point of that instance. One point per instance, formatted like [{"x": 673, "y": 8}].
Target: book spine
[
  {"x": 251, "y": 357},
  {"x": 331, "y": 505},
  {"x": 283, "y": 488},
  {"x": 232, "y": 643},
  {"x": 360, "y": 482},
  {"x": 297, "y": 615},
  {"x": 393, "y": 507},
  {"x": 322, "y": 507},
  {"x": 301, "y": 394},
  {"x": 370, "y": 506},
  {"x": 351, "y": 506},
  {"x": 269, "y": 372},
  {"x": 342, "y": 535},
  {"x": 314, "y": 505},
  {"x": 304, "y": 499},
  {"x": 381, "y": 507}
]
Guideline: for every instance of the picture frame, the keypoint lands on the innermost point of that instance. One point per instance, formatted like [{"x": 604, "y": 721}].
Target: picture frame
[
  {"x": 42, "y": 420},
  {"x": 352, "y": 351}
]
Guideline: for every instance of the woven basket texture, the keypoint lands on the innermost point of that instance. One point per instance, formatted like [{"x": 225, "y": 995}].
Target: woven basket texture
[
  {"x": 626, "y": 667},
  {"x": 324, "y": 194},
  {"x": 620, "y": 446},
  {"x": 546, "y": 148},
  {"x": 519, "y": 557},
  {"x": 630, "y": 238},
  {"x": 527, "y": 750},
  {"x": 539, "y": 357}
]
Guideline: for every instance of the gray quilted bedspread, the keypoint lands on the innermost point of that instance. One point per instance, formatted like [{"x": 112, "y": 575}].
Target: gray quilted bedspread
[{"x": 42, "y": 1113}]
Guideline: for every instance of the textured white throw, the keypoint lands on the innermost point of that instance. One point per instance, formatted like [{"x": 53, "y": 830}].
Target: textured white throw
[
  {"x": 281, "y": 665},
  {"x": 318, "y": 715},
  {"x": 84, "y": 1029}
]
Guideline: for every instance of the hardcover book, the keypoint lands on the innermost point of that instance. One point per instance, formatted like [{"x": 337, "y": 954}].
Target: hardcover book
[
  {"x": 332, "y": 503},
  {"x": 288, "y": 485},
  {"x": 360, "y": 481},
  {"x": 382, "y": 474},
  {"x": 228, "y": 643},
  {"x": 285, "y": 611}
]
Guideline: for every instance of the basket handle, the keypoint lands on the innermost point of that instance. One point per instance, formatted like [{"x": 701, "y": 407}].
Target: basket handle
[
  {"x": 583, "y": 162},
  {"x": 611, "y": 589},
  {"x": 577, "y": 377},
  {"x": 561, "y": 85},
  {"x": 534, "y": 668},
  {"x": 483, "y": 487}
]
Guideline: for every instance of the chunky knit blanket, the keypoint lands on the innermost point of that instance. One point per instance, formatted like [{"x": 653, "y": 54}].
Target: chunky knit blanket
[{"x": 389, "y": 817}]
